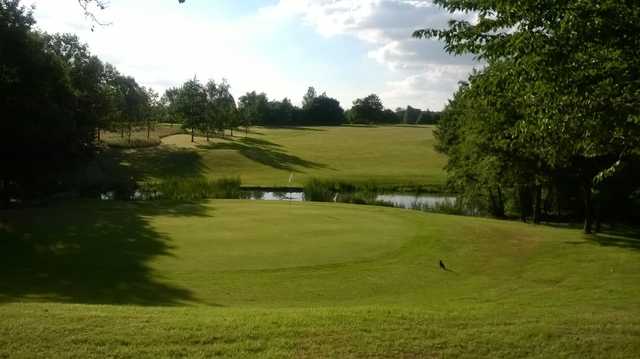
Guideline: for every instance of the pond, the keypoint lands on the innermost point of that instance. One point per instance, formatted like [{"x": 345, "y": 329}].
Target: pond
[{"x": 400, "y": 200}]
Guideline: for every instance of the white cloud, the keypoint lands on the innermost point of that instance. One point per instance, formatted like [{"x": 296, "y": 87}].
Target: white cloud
[
  {"x": 387, "y": 26},
  {"x": 430, "y": 88},
  {"x": 162, "y": 44}
]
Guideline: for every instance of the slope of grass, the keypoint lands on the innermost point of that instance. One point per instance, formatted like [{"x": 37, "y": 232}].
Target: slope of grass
[
  {"x": 271, "y": 279},
  {"x": 386, "y": 155},
  {"x": 139, "y": 136}
]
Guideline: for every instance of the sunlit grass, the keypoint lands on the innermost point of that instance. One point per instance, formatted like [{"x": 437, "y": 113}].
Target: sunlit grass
[
  {"x": 271, "y": 279},
  {"x": 385, "y": 155}
]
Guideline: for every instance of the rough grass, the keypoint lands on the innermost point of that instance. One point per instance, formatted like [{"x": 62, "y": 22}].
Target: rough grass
[
  {"x": 385, "y": 155},
  {"x": 139, "y": 137},
  {"x": 270, "y": 279}
]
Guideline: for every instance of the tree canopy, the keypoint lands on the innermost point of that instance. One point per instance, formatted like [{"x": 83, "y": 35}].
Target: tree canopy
[{"x": 564, "y": 74}]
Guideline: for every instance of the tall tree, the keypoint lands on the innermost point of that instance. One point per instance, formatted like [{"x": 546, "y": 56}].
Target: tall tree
[
  {"x": 221, "y": 106},
  {"x": 367, "y": 110},
  {"x": 324, "y": 110},
  {"x": 191, "y": 104},
  {"x": 308, "y": 97},
  {"x": 253, "y": 108},
  {"x": 577, "y": 71},
  {"x": 37, "y": 100}
]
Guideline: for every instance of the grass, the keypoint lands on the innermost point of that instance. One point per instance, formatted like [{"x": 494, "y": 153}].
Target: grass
[
  {"x": 139, "y": 137},
  {"x": 386, "y": 155},
  {"x": 235, "y": 278}
]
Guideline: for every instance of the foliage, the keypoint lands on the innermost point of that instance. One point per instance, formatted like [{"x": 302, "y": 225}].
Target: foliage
[
  {"x": 367, "y": 110},
  {"x": 573, "y": 80},
  {"x": 44, "y": 116},
  {"x": 323, "y": 111},
  {"x": 253, "y": 107},
  {"x": 189, "y": 189}
]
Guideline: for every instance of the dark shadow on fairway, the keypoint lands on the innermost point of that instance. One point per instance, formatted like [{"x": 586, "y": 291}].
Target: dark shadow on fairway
[
  {"x": 264, "y": 152},
  {"x": 628, "y": 238},
  {"x": 88, "y": 252},
  {"x": 623, "y": 239},
  {"x": 161, "y": 161}
]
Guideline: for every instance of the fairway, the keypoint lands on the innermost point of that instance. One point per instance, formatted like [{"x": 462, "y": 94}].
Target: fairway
[
  {"x": 385, "y": 155},
  {"x": 270, "y": 279}
]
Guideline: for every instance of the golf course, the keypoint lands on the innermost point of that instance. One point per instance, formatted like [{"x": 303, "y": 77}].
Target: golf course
[
  {"x": 233, "y": 278},
  {"x": 275, "y": 157},
  {"x": 319, "y": 179}
]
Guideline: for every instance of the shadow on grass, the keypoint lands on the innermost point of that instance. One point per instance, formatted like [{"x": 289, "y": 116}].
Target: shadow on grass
[
  {"x": 88, "y": 252},
  {"x": 624, "y": 237},
  {"x": 162, "y": 161},
  {"x": 264, "y": 152}
]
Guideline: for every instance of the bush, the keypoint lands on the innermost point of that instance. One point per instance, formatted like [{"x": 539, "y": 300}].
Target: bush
[{"x": 191, "y": 189}]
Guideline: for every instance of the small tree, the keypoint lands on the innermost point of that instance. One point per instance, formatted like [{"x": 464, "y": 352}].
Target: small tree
[{"x": 191, "y": 103}]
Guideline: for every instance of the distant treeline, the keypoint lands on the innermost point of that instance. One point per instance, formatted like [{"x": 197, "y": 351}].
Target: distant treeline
[{"x": 210, "y": 108}]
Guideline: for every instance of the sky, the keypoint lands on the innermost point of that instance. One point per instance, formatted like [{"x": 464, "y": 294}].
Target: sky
[{"x": 346, "y": 48}]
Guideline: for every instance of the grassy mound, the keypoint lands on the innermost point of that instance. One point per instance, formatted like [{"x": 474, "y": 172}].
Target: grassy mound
[{"x": 271, "y": 279}]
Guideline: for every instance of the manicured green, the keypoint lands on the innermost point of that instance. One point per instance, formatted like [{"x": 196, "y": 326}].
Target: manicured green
[
  {"x": 236, "y": 278},
  {"x": 385, "y": 155}
]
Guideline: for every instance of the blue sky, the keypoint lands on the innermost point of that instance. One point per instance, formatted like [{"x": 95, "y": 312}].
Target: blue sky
[{"x": 348, "y": 48}]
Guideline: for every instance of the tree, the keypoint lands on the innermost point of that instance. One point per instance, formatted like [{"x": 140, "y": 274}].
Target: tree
[
  {"x": 38, "y": 105},
  {"x": 279, "y": 113},
  {"x": 191, "y": 104},
  {"x": 576, "y": 71},
  {"x": 253, "y": 109},
  {"x": 154, "y": 110},
  {"x": 367, "y": 110},
  {"x": 88, "y": 76},
  {"x": 308, "y": 97},
  {"x": 133, "y": 104},
  {"x": 411, "y": 115},
  {"x": 221, "y": 106},
  {"x": 324, "y": 110},
  {"x": 89, "y": 7}
]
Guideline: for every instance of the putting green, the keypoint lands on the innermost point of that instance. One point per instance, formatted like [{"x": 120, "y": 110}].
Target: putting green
[
  {"x": 236, "y": 235},
  {"x": 232, "y": 278}
]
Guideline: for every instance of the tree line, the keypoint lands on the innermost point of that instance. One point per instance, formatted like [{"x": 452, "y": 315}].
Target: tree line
[
  {"x": 550, "y": 127},
  {"x": 210, "y": 109}
]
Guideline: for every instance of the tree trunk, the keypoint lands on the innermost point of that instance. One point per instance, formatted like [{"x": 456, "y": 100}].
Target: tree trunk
[
  {"x": 500, "y": 204},
  {"x": 588, "y": 208},
  {"x": 496, "y": 203},
  {"x": 537, "y": 209},
  {"x": 231, "y": 132},
  {"x": 598, "y": 214},
  {"x": 4, "y": 194},
  {"x": 525, "y": 202},
  {"x": 148, "y": 130},
  {"x": 192, "y": 134}
]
